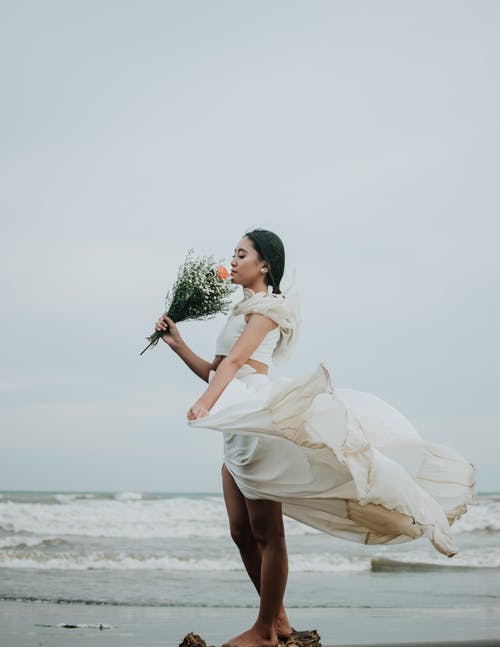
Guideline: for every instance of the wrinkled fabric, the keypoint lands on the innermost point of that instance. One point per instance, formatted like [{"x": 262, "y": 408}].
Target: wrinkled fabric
[
  {"x": 284, "y": 309},
  {"x": 340, "y": 460},
  {"x": 234, "y": 327}
]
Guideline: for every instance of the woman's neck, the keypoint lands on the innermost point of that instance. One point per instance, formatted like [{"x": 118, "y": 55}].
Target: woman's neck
[{"x": 257, "y": 287}]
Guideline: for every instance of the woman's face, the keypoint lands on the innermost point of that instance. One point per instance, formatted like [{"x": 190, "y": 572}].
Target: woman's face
[{"x": 245, "y": 265}]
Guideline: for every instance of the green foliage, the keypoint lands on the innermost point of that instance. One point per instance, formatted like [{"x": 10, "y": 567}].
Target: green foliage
[{"x": 198, "y": 292}]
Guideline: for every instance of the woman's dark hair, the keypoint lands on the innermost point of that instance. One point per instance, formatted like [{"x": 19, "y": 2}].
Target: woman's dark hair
[{"x": 270, "y": 249}]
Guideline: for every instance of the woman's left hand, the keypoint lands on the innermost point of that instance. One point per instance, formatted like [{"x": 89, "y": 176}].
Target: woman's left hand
[{"x": 198, "y": 410}]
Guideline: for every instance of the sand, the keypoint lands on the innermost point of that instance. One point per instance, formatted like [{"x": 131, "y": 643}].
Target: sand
[{"x": 24, "y": 624}]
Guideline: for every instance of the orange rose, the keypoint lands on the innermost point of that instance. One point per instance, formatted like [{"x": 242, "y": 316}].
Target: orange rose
[{"x": 222, "y": 273}]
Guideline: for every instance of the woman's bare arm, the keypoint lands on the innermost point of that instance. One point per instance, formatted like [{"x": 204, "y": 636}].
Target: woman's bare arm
[
  {"x": 257, "y": 328},
  {"x": 172, "y": 337},
  {"x": 197, "y": 364}
]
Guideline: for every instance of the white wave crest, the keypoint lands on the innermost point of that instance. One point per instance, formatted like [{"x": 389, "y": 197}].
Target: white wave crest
[
  {"x": 128, "y": 496},
  {"x": 135, "y": 519},
  {"x": 120, "y": 561},
  {"x": 65, "y": 498},
  {"x": 479, "y": 558},
  {"x": 21, "y": 541},
  {"x": 175, "y": 517},
  {"x": 322, "y": 563},
  {"x": 481, "y": 517},
  {"x": 130, "y": 516}
]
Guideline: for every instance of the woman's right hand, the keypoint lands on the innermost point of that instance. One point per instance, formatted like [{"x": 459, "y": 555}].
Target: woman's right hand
[{"x": 171, "y": 335}]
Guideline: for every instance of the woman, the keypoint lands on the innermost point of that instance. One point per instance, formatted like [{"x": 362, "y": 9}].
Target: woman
[{"x": 339, "y": 460}]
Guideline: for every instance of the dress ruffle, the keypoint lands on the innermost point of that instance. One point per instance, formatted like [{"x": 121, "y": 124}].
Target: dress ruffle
[
  {"x": 340, "y": 460},
  {"x": 284, "y": 309}
]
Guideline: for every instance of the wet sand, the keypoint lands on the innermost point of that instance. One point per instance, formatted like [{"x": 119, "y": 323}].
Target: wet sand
[{"x": 29, "y": 624}]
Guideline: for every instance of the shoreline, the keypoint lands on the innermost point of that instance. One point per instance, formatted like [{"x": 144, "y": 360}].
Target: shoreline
[{"x": 23, "y": 624}]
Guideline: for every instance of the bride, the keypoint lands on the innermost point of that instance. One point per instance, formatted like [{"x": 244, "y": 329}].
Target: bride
[{"x": 342, "y": 461}]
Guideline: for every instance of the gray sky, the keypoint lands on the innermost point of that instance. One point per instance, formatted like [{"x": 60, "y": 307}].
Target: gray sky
[{"x": 366, "y": 134}]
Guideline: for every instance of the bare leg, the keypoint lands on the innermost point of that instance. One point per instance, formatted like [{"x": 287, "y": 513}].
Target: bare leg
[
  {"x": 250, "y": 549},
  {"x": 239, "y": 526},
  {"x": 266, "y": 525}
]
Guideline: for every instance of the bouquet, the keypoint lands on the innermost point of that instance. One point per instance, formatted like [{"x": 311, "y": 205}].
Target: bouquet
[{"x": 201, "y": 290}]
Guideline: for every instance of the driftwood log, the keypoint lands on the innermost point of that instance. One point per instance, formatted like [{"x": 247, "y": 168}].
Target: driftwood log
[{"x": 308, "y": 638}]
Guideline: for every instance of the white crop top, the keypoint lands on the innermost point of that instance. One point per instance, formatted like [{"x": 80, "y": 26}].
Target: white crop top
[
  {"x": 234, "y": 327},
  {"x": 281, "y": 308}
]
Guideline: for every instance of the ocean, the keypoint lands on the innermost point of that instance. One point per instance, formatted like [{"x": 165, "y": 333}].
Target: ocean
[{"x": 174, "y": 550}]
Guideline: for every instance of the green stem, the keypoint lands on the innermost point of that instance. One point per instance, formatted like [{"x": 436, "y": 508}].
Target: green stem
[{"x": 150, "y": 344}]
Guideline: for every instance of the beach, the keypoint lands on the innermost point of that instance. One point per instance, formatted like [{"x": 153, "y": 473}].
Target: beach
[
  {"x": 24, "y": 625},
  {"x": 153, "y": 567}
]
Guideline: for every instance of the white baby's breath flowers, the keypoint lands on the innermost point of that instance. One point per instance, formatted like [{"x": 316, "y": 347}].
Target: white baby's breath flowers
[{"x": 201, "y": 290}]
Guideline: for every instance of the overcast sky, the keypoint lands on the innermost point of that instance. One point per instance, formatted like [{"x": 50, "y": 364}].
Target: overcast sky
[{"x": 366, "y": 134}]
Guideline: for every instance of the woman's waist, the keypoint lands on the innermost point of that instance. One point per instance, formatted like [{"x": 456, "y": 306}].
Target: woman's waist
[
  {"x": 247, "y": 374},
  {"x": 260, "y": 367}
]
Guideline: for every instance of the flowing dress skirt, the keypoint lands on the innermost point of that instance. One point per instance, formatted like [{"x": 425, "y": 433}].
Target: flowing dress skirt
[{"x": 340, "y": 460}]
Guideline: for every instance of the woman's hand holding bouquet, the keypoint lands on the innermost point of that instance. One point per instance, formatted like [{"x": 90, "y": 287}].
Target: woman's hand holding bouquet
[{"x": 168, "y": 331}]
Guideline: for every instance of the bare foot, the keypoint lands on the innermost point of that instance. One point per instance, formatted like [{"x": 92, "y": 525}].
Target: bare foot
[
  {"x": 253, "y": 638},
  {"x": 283, "y": 626}
]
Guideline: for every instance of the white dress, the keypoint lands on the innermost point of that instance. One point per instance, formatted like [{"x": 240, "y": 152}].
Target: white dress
[{"x": 340, "y": 460}]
